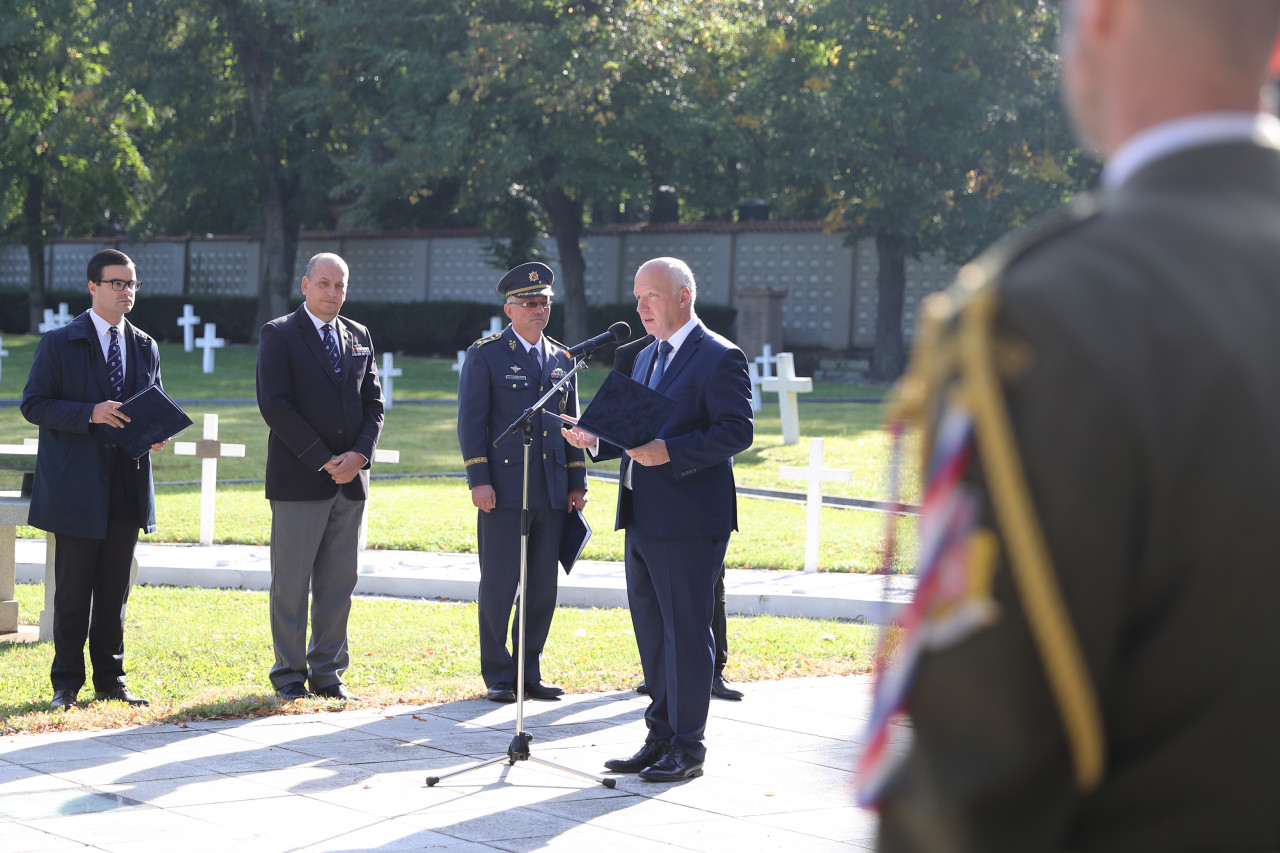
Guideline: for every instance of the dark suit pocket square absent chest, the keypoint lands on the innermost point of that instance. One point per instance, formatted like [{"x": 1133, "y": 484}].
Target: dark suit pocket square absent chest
[{"x": 626, "y": 413}]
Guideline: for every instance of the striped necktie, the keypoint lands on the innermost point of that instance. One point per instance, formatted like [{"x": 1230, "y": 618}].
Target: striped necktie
[
  {"x": 331, "y": 345},
  {"x": 115, "y": 365}
]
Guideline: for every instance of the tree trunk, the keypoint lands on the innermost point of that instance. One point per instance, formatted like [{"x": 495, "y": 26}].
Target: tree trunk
[
  {"x": 566, "y": 224},
  {"x": 33, "y": 237},
  {"x": 278, "y": 251},
  {"x": 887, "y": 360}
]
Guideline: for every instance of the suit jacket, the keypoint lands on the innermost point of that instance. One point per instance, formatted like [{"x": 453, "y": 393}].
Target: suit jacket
[
  {"x": 693, "y": 494},
  {"x": 1137, "y": 349},
  {"x": 314, "y": 416},
  {"x": 499, "y": 382},
  {"x": 68, "y": 378}
]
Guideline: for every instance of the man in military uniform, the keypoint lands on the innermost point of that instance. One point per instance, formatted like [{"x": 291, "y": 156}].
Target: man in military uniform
[
  {"x": 1092, "y": 661},
  {"x": 503, "y": 375}
]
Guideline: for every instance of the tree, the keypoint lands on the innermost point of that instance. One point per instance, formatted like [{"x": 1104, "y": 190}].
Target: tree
[
  {"x": 69, "y": 162},
  {"x": 933, "y": 124}
]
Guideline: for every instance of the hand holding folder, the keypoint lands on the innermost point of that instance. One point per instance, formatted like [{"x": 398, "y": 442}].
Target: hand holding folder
[
  {"x": 625, "y": 412},
  {"x": 153, "y": 418}
]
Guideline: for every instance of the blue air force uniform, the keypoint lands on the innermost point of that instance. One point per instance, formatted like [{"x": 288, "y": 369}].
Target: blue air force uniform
[{"x": 500, "y": 380}]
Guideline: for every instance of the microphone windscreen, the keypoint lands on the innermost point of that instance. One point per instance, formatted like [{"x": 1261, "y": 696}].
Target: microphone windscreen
[{"x": 621, "y": 331}]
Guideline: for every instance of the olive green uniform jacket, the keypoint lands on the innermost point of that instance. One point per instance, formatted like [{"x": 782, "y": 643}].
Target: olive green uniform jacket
[{"x": 1122, "y": 369}]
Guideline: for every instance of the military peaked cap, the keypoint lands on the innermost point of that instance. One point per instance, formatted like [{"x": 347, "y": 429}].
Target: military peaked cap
[{"x": 531, "y": 279}]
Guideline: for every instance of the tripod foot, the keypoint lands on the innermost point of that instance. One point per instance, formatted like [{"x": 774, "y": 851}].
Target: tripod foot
[
  {"x": 608, "y": 783},
  {"x": 519, "y": 748},
  {"x": 431, "y": 780}
]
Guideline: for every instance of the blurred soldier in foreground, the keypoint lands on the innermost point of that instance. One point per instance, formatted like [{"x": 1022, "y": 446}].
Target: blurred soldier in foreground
[{"x": 1093, "y": 659}]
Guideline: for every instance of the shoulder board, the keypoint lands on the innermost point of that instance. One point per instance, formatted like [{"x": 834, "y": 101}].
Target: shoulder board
[
  {"x": 488, "y": 339},
  {"x": 554, "y": 341}
]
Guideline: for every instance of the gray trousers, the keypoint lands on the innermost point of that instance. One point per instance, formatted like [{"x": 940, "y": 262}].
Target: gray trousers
[{"x": 313, "y": 548}]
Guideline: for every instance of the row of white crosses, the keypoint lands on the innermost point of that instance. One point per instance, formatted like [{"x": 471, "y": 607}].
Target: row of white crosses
[
  {"x": 54, "y": 321},
  {"x": 785, "y": 384}
]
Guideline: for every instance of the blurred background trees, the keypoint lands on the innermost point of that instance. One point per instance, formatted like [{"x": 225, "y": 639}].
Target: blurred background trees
[{"x": 926, "y": 124}]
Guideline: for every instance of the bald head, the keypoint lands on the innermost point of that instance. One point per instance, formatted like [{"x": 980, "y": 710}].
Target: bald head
[{"x": 1130, "y": 64}]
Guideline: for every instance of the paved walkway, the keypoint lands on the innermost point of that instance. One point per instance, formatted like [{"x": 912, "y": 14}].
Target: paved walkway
[
  {"x": 419, "y": 574},
  {"x": 778, "y": 777}
]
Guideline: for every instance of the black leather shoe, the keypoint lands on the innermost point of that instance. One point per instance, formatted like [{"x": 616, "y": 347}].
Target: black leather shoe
[
  {"x": 502, "y": 692},
  {"x": 643, "y": 688},
  {"x": 675, "y": 766},
  {"x": 336, "y": 691},
  {"x": 293, "y": 691},
  {"x": 64, "y": 699},
  {"x": 721, "y": 690},
  {"x": 542, "y": 690},
  {"x": 120, "y": 693},
  {"x": 648, "y": 754}
]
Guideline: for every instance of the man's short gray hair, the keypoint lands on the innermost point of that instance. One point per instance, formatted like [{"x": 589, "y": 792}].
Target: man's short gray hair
[{"x": 681, "y": 276}]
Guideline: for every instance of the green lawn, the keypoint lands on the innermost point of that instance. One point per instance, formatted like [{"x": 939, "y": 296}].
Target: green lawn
[
  {"x": 436, "y": 514},
  {"x": 198, "y": 653}
]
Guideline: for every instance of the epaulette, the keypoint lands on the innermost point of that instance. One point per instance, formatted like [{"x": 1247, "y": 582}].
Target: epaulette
[
  {"x": 554, "y": 341},
  {"x": 488, "y": 339},
  {"x": 958, "y": 353}
]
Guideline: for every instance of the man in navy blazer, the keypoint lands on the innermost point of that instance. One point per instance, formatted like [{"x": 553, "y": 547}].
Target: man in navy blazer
[
  {"x": 87, "y": 490},
  {"x": 319, "y": 393},
  {"x": 678, "y": 505}
]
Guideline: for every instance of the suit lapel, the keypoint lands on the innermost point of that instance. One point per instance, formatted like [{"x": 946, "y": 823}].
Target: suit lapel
[
  {"x": 640, "y": 370},
  {"x": 344, "y": 346},
  {"x": 682, "y": 357},
  {"x": 83, "y": 327}
]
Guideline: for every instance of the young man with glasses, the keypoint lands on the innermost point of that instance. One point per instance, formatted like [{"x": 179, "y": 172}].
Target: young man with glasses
[
  {"x": 503, "y": 375},
  {"x": 86, "y": 490}
]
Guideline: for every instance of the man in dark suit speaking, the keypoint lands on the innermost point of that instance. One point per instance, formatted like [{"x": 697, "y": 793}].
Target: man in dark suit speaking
[
  {"x": 678, "y": 506},
  {"x": 86, "y": 489},
  {"x": 318, "y": 391}
]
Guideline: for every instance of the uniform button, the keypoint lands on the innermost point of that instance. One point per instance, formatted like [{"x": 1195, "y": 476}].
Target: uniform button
[
  {"x": 544, "y": 433},
  {"x": 544, "y": 456},
  {"x": 339, "y": 432},
  {"x": 513, "y": 384},
  {"x": 542, "y": 388}
]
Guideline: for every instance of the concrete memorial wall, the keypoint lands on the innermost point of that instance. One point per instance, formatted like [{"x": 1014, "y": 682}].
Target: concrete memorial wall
[{"x": 830, "y": 299}]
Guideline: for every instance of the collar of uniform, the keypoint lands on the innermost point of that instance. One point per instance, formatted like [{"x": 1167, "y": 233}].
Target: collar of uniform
[
  {"x": 1192, "y": 131},
  {"x": 527, "y": 346}
]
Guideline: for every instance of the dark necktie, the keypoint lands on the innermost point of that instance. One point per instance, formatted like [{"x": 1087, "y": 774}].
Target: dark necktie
[
  {"x": 536, "y": 352},
  {"x": 660, "y": 363},
  {"x": 115, "y": 366},
  {"x": 331, "y": 345}
]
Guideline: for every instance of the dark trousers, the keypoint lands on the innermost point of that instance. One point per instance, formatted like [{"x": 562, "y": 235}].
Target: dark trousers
[
  {"x": 670, "y": 590},
  {"x": 498, "y": 534},
  {"x": 91, "y": 578},
  {"x": 719, "y": 624}
]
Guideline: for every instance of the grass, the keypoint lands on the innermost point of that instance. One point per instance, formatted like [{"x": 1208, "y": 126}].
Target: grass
[
  {"x": 436, "y": 514},
  {"x": 201, "y": 654}
]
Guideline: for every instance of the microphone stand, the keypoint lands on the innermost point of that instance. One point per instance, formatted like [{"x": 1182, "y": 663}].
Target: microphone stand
[{"x": 518, "y": 750}]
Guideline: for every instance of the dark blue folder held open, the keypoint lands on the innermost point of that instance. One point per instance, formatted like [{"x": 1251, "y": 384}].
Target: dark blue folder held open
[
  {"x": 153, "y": 417},
  {"x": 625, "y": 412}
]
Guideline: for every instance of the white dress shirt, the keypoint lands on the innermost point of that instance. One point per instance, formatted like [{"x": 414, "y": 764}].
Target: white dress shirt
[
  {"x": 1192, "y": 131},
  {"x": 104, "y": 338}
]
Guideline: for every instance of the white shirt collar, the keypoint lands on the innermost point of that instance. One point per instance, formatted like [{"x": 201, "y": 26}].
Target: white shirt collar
[
  {"x": 103, "y": 326},
  {"x": 528, "y": 346},
  {"x": 1192, "y": 131},
  {"x": 318, "y": 322},
  {"x": 680, "y": 334}
]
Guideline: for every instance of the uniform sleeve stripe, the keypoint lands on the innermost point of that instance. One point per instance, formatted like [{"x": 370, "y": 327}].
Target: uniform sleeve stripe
[{"x": 475, "y": 460}]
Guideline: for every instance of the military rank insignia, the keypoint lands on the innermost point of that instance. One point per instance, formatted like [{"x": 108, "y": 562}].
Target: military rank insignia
[
  {"x": 511, "y": 344},
  {"x": 955, "y": 569}
]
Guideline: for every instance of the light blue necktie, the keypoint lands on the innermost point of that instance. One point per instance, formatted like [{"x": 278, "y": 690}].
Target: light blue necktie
[
  {"x": 331, "y": 344},
  {"x": 115, "y": 366},
  {"x": 660, "y": 364}
]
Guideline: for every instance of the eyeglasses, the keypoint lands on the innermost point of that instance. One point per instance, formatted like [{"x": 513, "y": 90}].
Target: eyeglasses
[
  {"x": 119, "y": 285},
  {"x": 533, "y": 305}
]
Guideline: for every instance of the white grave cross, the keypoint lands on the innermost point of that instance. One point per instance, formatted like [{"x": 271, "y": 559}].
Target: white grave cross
[
  {"x": 495, "y": 326},
  {"x": 208, "y": 450},
  {"x": 457, "y": 365},
  {"x": 209, "y": 343},
  {"x": 3, "y": 353},
  {"x": 787, "y": 385},
  {"x": 766, "y": 361},
  {"x": 389, "y": 374},
  {"x": 54, "y": 321},
  {"x": 188, "y": 321},
  {"x": 815, "y": 475}
]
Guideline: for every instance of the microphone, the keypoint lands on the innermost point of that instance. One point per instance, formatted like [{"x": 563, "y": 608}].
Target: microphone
[{"x": 618, "y": 332}]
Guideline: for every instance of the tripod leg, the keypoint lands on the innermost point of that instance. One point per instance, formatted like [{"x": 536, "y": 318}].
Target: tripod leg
[
  {"x": 432, "y": 780},
  {"x": 607, "y": 781}
]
